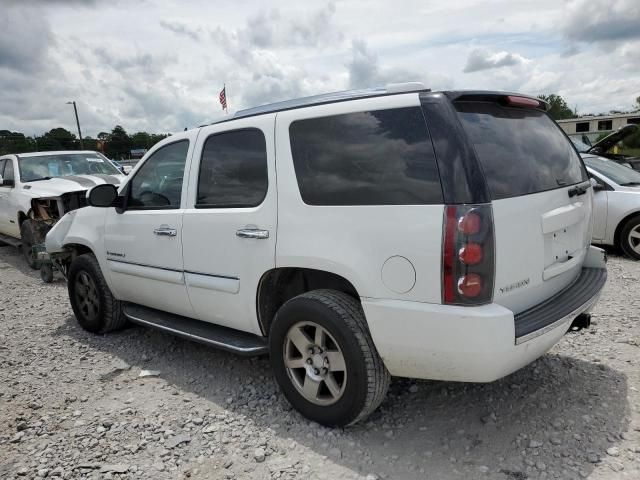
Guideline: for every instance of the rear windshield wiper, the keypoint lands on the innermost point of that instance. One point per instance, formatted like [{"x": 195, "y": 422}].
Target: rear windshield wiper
[{"x": 38, "y": 179}]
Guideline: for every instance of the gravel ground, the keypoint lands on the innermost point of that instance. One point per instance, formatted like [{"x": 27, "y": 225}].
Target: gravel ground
[{"x": 75, "y": 405}]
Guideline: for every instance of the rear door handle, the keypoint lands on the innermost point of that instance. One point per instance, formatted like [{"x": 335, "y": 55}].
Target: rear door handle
[
  {"x": 165, "y": 230},
  {"x": 253, "y": 233}
]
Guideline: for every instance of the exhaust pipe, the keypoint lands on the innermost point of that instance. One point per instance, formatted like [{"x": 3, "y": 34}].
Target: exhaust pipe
[{"x": 581, "y": 321}]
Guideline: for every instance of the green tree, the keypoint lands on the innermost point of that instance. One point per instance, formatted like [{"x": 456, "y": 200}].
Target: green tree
[
  {"x": 558, "y": 108},
  {"x": 637, "y": 105},
  {"x": 57, "y": 139},
  {"x": 90, "y": 143},
  {"x": 118, "y": 143},
  {"x": 141, "y": 140},
  {"x": 14, "y": 142}
]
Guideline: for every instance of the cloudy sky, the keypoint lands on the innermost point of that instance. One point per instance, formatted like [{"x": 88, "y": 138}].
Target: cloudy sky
[{"x": 158, "y": 65}]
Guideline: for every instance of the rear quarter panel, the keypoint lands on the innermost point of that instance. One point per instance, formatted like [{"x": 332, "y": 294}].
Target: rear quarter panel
[{"x": 355, "y": 241}]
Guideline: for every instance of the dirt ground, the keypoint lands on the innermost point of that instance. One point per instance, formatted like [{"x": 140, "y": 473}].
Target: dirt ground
[{"x": 74, "y": 405}]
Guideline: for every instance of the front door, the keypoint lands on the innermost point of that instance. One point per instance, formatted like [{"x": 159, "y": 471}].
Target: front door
[
  {"x": 229, "y": 227},
  {"x": 8, "y": 208},
  {"x": 144, "y": 242},
  {"x": 600, "y": 210}
]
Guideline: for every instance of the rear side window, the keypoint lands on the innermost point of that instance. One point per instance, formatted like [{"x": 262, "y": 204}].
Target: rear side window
[
  {"x": 522, "y": 151},
  {"x": 381, "y": 157},
  {"x": 233, "y": 170}
]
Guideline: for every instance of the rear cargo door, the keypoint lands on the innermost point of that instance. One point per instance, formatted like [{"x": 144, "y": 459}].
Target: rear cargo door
[{"x": 541, "y": 200}]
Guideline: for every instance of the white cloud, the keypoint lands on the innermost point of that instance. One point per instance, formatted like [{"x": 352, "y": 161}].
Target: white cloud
[
  {"x": 481, "y": 59},
  {"x": 160, "y": 66},
  {"x": 612, "y": 20}
]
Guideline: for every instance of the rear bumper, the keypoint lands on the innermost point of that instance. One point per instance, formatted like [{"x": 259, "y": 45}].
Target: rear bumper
[
  {"x": 569, "y": 303},
  {"x": 472, "y": 344}
]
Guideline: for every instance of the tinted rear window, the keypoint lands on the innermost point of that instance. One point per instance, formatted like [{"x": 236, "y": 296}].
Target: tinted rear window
[
  {"x": 381, "y": 157},
  {"x": 521, "y": 151}
]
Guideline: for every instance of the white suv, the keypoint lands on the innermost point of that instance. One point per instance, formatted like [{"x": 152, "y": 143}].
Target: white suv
[{"x": 353, "y": 236}]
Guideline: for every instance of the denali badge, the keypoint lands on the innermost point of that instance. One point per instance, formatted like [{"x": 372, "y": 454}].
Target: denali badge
[{"x": 513, "y": 286}]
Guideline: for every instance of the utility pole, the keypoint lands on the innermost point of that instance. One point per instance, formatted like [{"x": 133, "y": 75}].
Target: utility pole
[{"x": 77, "y": 123}]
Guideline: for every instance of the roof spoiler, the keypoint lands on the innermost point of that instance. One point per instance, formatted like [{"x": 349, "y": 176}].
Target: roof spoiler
[{"x": 510, "y": 99}]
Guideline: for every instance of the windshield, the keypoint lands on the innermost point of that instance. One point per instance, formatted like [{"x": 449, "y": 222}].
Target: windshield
[
  {"x": 580, "y": 145},
  {"x": 64, "y": 164},
  {"x": 620, "y": 174}
]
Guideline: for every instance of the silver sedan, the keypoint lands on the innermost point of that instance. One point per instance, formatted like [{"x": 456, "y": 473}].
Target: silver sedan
[{"x": 616, "y": 204}]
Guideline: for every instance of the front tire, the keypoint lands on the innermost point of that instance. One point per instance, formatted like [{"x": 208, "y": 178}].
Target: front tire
[
  {"x": 46, "y": 273},
  {"x": 28, "y": 234},
  {"x": 630, "y": 238},
  {"x": 93, "y": 304},
  {"x": 324, "y": 359}
]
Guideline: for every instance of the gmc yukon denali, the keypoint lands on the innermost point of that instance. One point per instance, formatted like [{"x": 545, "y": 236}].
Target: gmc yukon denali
[{"x": 353, "y": 237}]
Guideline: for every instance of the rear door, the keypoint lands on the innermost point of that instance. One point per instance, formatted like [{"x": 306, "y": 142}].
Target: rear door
[
  {"x": 144, "y": 243},
  {"x": 4, "y": 201},
  {"x": 229, "y": 228},
  {"x": 540, "y": 197}
]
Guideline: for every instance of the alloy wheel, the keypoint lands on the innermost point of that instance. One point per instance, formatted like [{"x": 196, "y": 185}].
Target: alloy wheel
[
  {"x": 315, "y": 363},
  {"x": 634, "y": 239},
  {"x": 87, "y": 296}
]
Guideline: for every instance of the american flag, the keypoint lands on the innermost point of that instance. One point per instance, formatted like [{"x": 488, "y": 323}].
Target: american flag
[{"x": 223, "y": 98}]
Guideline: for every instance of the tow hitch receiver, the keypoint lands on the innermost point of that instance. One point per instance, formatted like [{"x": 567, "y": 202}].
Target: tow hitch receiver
[{"x": 581, "y": 321}]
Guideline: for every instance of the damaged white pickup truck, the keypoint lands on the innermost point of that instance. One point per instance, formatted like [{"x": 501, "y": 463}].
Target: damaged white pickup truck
[{"x": 37, "y": 189}]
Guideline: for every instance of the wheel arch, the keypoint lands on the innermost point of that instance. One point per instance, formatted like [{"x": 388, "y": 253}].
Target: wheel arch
[
  {"x": 78, "y": 248},
  {"x": 22, "y": 217},
  {"x": 279, "y": 285},
  {"x": 621, "y": 224}
]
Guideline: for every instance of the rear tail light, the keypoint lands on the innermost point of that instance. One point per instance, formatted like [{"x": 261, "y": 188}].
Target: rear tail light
[
  {"x": 516, "y": 101},
  {"x": 468, "y": 254}
]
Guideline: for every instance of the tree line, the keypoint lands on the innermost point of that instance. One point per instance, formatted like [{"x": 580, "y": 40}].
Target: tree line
[
  {"x": 116, "y": 144},
  {"x": 559, "y": 110}
]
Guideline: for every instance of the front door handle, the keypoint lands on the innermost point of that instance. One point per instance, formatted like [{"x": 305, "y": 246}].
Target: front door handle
[
  {"x": 253, "y": 233},
  {"x": 165, "y": 230}
]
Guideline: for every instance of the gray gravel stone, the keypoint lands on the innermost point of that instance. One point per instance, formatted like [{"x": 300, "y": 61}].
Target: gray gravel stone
[
  {"x": 259, "y": 455},
  {"x": 554, "y": 419}
]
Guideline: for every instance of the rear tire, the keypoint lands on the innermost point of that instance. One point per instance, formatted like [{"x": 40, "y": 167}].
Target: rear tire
[
  {"x": 629, "y": 241},
  {"x": 344, "y": 379},
  {"x": 93, "y": 304},
  {"x": 28, "y": 234}
]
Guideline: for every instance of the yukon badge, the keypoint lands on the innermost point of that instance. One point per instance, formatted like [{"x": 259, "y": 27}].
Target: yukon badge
[{"x": 513, "y": 286}]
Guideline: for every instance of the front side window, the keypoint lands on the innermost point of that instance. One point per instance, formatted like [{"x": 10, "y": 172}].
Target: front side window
[
  {"x": 381, "y": 157},
  {"x": 158, "y": 183},
  {"x": 233, "y": 170}
]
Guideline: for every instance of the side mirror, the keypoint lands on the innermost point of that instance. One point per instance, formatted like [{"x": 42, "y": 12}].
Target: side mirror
[
  {"x": 103, "y": 195},
  {"x": 597, "y": 186}
]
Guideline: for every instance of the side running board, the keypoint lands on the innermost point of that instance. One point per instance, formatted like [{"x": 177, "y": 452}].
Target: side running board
[
  {"x": 224, "y": 338},
  {"x": 10, "y": 240}
]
